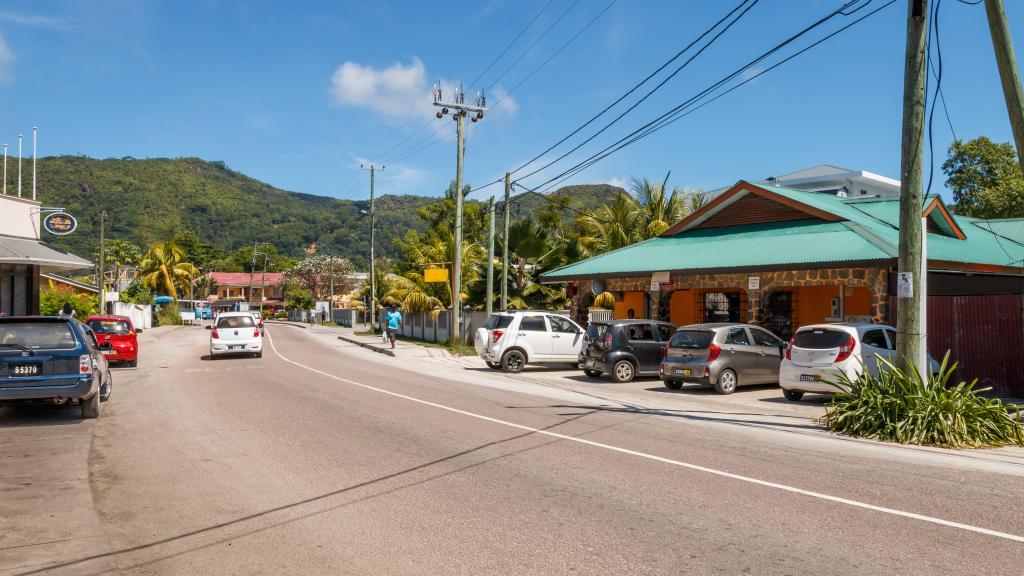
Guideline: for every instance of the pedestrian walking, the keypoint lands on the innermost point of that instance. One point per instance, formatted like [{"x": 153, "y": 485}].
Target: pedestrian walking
[
  {"x": 394, "y": 323},
  {"x": 323, "y": 316},
  {"x": 311, "y": 316}
]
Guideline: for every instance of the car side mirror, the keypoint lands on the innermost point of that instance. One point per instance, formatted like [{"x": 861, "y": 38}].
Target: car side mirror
[
  {"x": 138, "y": 330},
  {"x": 208, "y": 327}
]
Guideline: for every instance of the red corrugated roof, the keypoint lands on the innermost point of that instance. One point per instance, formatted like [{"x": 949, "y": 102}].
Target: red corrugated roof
[{"x": 242, "y": 278}]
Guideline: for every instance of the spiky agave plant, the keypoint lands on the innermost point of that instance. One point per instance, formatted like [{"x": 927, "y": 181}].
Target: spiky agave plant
[{"x": 899, "y": 405}]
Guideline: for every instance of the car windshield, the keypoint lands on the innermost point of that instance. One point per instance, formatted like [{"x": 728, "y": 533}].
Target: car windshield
[
  {"x": 235, "y": 322},
  {"x": 691, "y": 339},
  {"x": 596, "y": 331},
  {"x": 819, "y": 339},
  {"x": 110, "y": 326},
  {"x": 497, "y": 321},
  {"x": 37, "y": 335}
]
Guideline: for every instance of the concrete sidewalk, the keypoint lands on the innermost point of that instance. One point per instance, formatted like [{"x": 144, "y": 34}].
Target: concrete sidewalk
[{"x": 403, "y": 348}]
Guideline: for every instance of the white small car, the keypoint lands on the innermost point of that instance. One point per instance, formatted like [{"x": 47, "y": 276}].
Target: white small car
[
  {"x": 511, "y": 340},
  {"x": 235, "y": 333},
  {"x": 817, "y": 354}
]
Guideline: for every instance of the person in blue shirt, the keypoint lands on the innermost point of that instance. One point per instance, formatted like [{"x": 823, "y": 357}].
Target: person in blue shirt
[{"x": 393, "y": 318}]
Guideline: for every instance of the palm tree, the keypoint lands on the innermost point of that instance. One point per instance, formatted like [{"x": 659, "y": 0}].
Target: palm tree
[
  {"x": 165, "y": 269},
  {"x": 658, "y": 209},
  {"x": 613, "y": 226}
]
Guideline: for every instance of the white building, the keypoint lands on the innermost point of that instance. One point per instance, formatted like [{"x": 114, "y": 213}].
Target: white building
[{"x": 836, "y": 181}]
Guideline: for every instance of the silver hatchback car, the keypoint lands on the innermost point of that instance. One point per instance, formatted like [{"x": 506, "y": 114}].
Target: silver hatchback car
[{"x": 724, "y": 355}]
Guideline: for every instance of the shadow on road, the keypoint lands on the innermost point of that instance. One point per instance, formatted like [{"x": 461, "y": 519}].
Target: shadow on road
[
  {"x": 20, "y": 415},
  {"x": 696, "y": 416},
  {"x": 315, "y": 499}
]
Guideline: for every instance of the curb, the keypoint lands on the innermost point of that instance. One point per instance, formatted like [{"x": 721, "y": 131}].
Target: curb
[
  {"x": 303, "y": 326},
  {"x": 385, "y": 351}
]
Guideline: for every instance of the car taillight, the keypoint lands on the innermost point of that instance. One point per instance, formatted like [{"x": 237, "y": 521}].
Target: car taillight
[
  {"x": 846, "y": 348},
  {"x": 713, "y": 351},
  {"x": 256, "y": 333},
  {"x": 496, "y": 335},
  {"x": 665, "y": 355},
  {"x": 789, "y": 349},
  {"x": 214, "y": 334},
  {"x": 85, "y": 364},
  {"x": 608, "y": 340}
]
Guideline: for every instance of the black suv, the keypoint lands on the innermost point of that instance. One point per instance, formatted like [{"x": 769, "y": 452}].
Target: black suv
[{"x": 624, "y": 349}]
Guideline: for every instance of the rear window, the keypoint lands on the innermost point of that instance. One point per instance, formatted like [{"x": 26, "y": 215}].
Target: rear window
[
  {"x": 498, "y": 321},
  {"x": 35, "y": 336},
  {"x": 110, "y": 326},
  {"x": 235, "y": 322},
  {"x": 819, "y": 339},
  {"x": 596, "y": 331},
  {"x": 691, "y": 339}
]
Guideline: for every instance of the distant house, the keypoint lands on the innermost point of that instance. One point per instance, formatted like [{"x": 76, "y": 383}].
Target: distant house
[
  {"x": 62, "y": 283},
  {"x": 235, "y": 287}
]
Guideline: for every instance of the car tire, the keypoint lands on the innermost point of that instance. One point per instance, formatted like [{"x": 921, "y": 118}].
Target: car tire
[
  {"x": 259, "y": 354},
  {"x": 792, "y": 395},
  {"x": 106, "y": 389},
  {"x": 513, "y": 361},
  {"x": 91, "y": 407},
  {"x": 493, "y": 365},
  {"x": 592, "y": 373},
  {"x": 727, "y": 382},
  {"x": 673, "y": 384},
  {"x": 623, "y": 371}
]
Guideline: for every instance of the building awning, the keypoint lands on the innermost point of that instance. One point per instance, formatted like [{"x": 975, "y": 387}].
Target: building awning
[{"x": 32, "y": 252}]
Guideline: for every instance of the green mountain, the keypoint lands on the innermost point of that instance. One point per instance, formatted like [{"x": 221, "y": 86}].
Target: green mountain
[{"x": 149, "y": 200}]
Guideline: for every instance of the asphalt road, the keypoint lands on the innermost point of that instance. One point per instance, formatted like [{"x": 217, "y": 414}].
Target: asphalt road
[{"x": 325, "y": 459}]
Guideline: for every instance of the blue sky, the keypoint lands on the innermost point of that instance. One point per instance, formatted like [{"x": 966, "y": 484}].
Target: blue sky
[{"x": 298, "y": 94}]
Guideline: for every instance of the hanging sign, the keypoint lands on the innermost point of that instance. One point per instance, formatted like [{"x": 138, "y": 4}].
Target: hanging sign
[
  {"x": 904, "y": 285},
  {"x": 60, "y": 223},
  {"x": 435, "y": 275}
]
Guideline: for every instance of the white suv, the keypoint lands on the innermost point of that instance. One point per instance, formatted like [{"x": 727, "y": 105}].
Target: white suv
[
  {"x": 817, "y": 354},
  {"x": 511, "y": 340}
]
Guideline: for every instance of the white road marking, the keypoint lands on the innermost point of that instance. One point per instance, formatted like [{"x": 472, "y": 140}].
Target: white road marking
[{"x": 679, "y": 463}]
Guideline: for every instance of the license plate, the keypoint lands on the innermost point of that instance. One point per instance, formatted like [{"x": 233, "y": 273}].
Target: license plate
[
  {"x": 810, "y": 378},
  {"x": 108, "y": 352},
  {"x": 235, "y": 347},
  {"x": 21, "y": 370}
]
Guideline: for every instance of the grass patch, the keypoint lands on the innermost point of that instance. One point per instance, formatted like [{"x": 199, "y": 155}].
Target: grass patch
[{"x": 897, "y": 406}]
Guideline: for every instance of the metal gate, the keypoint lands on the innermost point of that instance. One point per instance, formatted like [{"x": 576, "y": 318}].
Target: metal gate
[
  {"x": 719, "y": 307},
  {"x": 781, "y": 313}
]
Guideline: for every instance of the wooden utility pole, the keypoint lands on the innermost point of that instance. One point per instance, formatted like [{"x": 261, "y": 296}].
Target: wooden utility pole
[
  {"x": 489, "y": 307},
  {"x": 504, "y": 247},
  {"x": 1002, "y": 43},
  {"x": 909, "y": 338},
  {"x": 103, "y": 263},
  {"x": 373, "y": 241}
]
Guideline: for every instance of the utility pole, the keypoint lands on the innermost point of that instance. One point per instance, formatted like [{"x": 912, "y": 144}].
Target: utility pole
[
  {"x": 102, "y": 262},
  {"x": 489, "y": 307},
  {"x": 373, "y": 234},
  {"x": 5, "y": 169},
  {"x": 504, "y": 245},
  {"x": 252, "y": 272},
  {"x": 330, "y": 303},
  {"x": 1002, "y": 43},
  {"x": 263, "y": 281},
  {"x": 19, "y": 165},
  {"x": 33, "y": 163},
  {"x": 910, "y": 347},
  {"x": 461, "y": 110}
]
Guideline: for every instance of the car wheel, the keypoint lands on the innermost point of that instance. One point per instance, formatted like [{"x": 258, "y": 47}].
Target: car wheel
[
  {"x": 513, "y": 361},
  {"x": 727, "y": 381},
  {"x": 105, "y": 389},
  {"x": 592, "y": 373},
  {"x": 493, "y": 365},
  {"x": 793, "y": 395},
  {"x": 623, "y": 371},
  {"x": 91, "y": 407},
  {"x": 259, "y": 354},
  {"x": 673, "y": 384}
]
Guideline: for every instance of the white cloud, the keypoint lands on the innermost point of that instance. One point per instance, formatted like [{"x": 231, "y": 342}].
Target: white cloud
[
  {"x": 400, "y": 92},
  {"x": 6, "y": 63},
  {"x": 35, "y": 20},
  {"x": 620, "y": 182}
]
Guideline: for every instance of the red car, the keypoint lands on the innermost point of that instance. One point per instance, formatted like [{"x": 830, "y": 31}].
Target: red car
[{"x": 117, "y": 330}]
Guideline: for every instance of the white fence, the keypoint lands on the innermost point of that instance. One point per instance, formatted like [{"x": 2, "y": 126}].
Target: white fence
[{"x": 140, "y": 314}]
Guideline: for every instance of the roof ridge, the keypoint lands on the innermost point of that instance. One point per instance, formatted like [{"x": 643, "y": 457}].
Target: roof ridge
[{"x": 874, "y": 239}]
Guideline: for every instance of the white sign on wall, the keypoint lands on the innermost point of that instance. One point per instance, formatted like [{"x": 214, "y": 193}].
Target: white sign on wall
[
  {"x": 659, "y": 278},
  {"x": 904, "y": 284},
  {"x": 753, "y": 283}
]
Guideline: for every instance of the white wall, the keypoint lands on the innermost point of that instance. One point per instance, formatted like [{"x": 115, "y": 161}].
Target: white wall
[{"x": 19, "y": 217}]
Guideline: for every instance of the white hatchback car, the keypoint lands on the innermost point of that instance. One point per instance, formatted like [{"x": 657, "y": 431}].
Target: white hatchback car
[
  {"x": 235, "y": 333},
  {"x": 819, "y": 353},
  {"x": 511, "y": 340}
]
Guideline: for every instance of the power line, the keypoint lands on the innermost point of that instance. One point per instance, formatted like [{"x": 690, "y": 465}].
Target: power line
[
  {"x": 530, "y": 47},
  {"x": 938, "y": 88},
  {"x": 681, "y": 110},
  {"x": 521, "y": 32}
]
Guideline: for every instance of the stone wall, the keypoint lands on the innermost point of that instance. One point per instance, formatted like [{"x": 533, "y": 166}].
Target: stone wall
[{"x": 874, "y": 279}]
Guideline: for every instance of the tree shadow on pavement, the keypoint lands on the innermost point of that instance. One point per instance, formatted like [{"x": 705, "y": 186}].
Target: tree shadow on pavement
[
  {"x": 313, "y": 500},
  {"x": 695, "y": 415}
]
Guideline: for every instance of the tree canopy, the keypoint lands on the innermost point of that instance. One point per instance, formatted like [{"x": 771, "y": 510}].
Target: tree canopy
[{"x": 985, "y": 179}]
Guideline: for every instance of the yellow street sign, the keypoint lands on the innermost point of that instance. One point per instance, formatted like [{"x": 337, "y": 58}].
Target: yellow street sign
[{"x": 435, "y": 275}]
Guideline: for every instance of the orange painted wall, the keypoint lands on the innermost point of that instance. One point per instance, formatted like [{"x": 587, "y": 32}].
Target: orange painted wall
[
  {"x": 634, "y": 300},
  {"x": 815, "y": 303},
  {"x": 857, "y": 301},
  {"x": 682, "y": 308}
]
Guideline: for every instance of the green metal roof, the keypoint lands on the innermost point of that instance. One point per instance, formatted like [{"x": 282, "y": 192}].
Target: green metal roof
[
  {"x": 1009, "y": 228},
  {"x": 868, "y": 231}
]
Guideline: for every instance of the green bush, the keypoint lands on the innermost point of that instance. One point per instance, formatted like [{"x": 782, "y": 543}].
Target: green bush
[
  {"x": 51, "y": 301},
  {"x": 169, "y": 315},
  {"x": 897, "y": 406}
]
